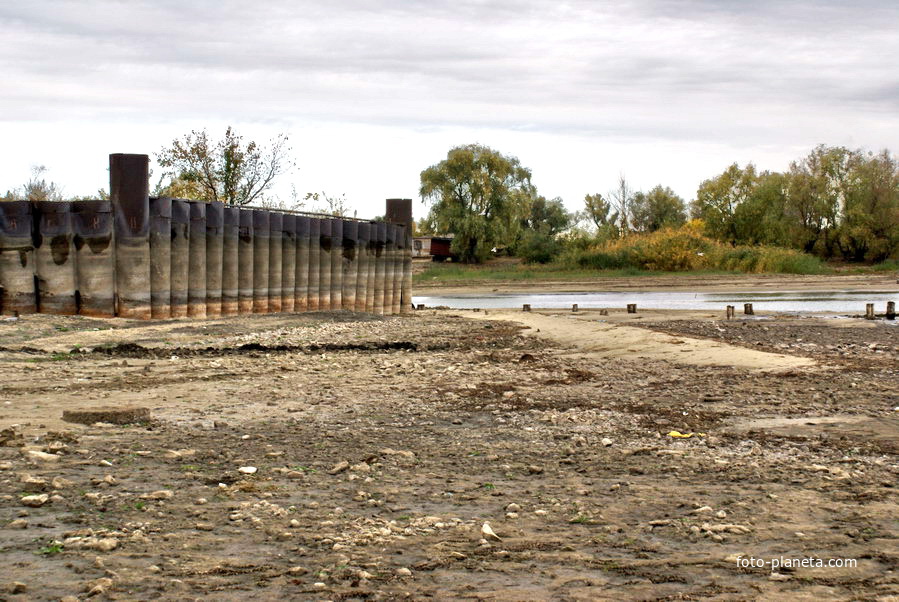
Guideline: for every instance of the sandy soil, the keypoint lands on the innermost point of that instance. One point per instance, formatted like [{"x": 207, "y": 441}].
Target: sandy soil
[
  {"x": 383, "y": 445},
  {"x": 887, "y": 281}
]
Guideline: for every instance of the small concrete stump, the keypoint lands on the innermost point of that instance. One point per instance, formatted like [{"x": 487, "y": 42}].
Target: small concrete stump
[
  {"x": 420, "y": 306},
  {"x": 731, "y": 312},
  {"x": 891, "y": 310},
  {"x": 747, "y": 309},
  {"x": 869, "y": 311},
  {"x": 604, "y": 312},
  {"x": 526, "y": 307},
  {"x": 631, "y": 308},
  {"x": 574, "y": 308},
  {"x": 123, "y": 415}
]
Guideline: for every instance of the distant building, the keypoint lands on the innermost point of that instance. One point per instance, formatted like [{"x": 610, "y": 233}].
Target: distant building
[{"x": 435, "y": 247}]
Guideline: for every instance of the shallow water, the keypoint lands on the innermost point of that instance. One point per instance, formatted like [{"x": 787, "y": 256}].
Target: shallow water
[{"x": 837, "y": 302}]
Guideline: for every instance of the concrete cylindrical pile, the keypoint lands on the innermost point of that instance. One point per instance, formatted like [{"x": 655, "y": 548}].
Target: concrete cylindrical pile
[
  {"x": 215, "y": 229},
  {"x": 288, "y": 262},
  {"x": 275, "y": 260},
  {"x": 261, "y": 236},
  {"x": 16, "y": 258},
  {"x": 407, "y": 270},
  {"x": 180, "y": 257},
  {"x": 389, "y": 268},
  {"x": 398, "y": 257},
  {"x": 245, "y": 262},
  {"x": 230, "y": 260},
  {"x": 362, "y": 238},
  {"x": 129, "y": 190},
  {"x": 313, "y": 281},
  {"x": 371, "y": 252},
  {"x": 336, "y": 264},
  {"x": 324, "y": 265},
  {"x": 54, "y": 254},
  {"x": 301, "y": 280},
  {"x": 350, "y": 264},
  {"x": 196, "y": 275},
  {"x": 94, "y": 259},
  {"x": 380, "y": 267},
  {"x": 161, "y": 257}
]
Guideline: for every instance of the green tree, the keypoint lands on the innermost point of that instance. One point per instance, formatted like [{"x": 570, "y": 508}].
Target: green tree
[
  {"x": 229, "y": 170},
  {"x": 476, "y": 193},
  {"x": 718, "y": 198},
  {"x": 869, "y": 225},
  {"x": 761, "y": 218},
  {"x": 659, "y": 208}
]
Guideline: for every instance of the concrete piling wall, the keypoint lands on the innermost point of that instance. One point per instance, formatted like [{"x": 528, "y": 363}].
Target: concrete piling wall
[
  {"x": 230, "y": 259},
  {"x": 17, "y": 294},
  {"x": 196, "y": 277},
  {"x": 180, "y": 257},
  {"x": 275, "y": 250},
  {"x": 215, "y": 229},
  {"x": 94, "y": 258},
  {"x": 161, "y": 257},
  {"x": 54, "y": 255},
  {"x": 245, "y": 262},
  {"x": 192, "y": 258},
  {"x": 288, "y": 262}
]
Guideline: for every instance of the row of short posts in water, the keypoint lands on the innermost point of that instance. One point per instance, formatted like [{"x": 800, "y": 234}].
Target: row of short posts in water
[{"x": 142, "y": 257}]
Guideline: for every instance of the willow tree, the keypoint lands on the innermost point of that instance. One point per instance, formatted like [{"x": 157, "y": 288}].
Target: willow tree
[{"x": 478, "y": 195}]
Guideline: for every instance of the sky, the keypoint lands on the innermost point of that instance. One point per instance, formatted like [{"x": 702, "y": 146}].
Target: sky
[{"x": 371, "y": 92}]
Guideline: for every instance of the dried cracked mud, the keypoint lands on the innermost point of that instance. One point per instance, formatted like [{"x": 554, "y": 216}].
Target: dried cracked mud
[{"x": 381, "y": 447}]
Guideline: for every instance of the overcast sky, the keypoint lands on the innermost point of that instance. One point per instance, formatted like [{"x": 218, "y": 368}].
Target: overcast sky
[{"x": 371, "y": 92}]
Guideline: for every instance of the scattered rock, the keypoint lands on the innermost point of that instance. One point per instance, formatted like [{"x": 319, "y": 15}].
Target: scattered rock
[
  {"x": 17, "y": 587},
  {"x": 162, "y": 494},
  {"x": 40, "y": 456},
  {"x": 488, "y": 533},
  {"x": 339, "y": 467},
  {"x": 19, "y": 523},
  {"x": 35, "y": 501},
  {"x": 404, "y": 572},
  {"x": 606, "y": 442},
  {"x": 247, "y": 470}
]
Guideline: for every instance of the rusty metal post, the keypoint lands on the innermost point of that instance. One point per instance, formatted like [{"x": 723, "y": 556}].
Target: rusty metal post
[
  {"x": 180, "y": 257},
  {"x": 378, "y": 306},
  {"x": 161, "y": 257},
  {"x": 17, "y": 294},
  {"x": 372, "y": 251},
  {"x": 349, "y": 264},
  {"x": 336, "y": 264},
  {"x": 54, "y": 256},
  {"x": 129, "y": 191},
  {"x": 363, "y": 235},
  {"x": 324, "y": 264},
  {"x": 196, "y": 271},
  {"x": 301, "y": 280},
  {"x": 245, "y": 262},
  {"x": 288, "y": 263},
  {"x": 230, "y": 259},
  {"x": 261, "y": 235},
  {"x": 215, "y": 228},
  {"x": 389, "y": 267},
  {"x": 275, "y": 250},
  {"x": 399, "y": 211},
  {"x": 313, "y": 281},
  {"x": 94, "y": 258}
]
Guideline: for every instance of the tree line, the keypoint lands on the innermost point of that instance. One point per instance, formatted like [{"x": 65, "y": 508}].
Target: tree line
[{"x": 833, "y": 203}]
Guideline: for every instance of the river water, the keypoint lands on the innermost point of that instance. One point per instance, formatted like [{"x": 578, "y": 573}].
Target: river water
[{"x": 836, "y": 302}]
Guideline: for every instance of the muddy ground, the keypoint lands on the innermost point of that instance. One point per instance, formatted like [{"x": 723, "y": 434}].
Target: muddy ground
[{"x": 383, "y": 445}]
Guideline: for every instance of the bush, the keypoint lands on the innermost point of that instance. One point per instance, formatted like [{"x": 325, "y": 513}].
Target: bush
[
  {"x": 536, "y": 247},
  {"x": 686, "y": 249}
]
